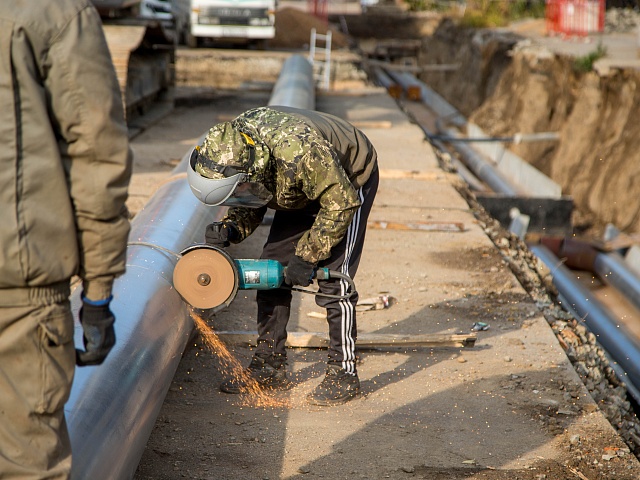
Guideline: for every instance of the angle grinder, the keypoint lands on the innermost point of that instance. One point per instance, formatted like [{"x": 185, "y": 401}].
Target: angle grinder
[{"x": 207, "y": 277}]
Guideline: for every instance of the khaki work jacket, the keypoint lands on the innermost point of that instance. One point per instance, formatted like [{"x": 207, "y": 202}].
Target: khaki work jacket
[{"x": 65, "y": 161}]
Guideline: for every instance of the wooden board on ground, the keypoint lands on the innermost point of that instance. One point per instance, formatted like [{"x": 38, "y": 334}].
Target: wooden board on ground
[
  {"x": 422, "y": 226},
  {"x": 392, "y": 173},
  {"x": 365, "y": 340}
]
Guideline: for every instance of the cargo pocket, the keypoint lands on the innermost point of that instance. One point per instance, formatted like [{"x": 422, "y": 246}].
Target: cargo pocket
[{"x": 56, "y": 357}]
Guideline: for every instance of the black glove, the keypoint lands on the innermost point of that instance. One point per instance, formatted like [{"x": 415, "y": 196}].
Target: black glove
[
  {"x": 219, "y": 234},
  {"x": 99, "y": 336},
  {"x": 299, "y": 272}
]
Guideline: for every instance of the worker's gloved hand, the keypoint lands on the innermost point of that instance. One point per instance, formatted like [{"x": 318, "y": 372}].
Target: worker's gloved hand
[
  {"x": 98, "y": 334},
  {"x": 220, "y": 234},
  {"x": 299, "y": 272}
]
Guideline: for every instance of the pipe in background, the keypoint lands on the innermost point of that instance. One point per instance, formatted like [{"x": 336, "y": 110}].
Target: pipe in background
[
  {"x": 610, "y": 267},
  {"x": 621, "y": 346},
  {"x": 295, "y": 86},
  {"x": 480, "y": 167}
]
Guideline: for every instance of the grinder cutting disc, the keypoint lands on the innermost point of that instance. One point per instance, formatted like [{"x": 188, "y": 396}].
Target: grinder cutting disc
[{"x": 206, "y": 278}]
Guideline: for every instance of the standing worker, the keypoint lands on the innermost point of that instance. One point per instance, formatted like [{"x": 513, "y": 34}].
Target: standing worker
[
  {"x": 320, "y": 175},
  {"x": 65, "y": 166}
]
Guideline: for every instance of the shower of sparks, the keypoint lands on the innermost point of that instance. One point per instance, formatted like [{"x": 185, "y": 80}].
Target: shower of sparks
[{"x": 254, "y": 394}]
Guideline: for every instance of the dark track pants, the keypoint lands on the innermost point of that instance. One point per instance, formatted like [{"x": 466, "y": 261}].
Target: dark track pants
[{"x": 274, "y": 306}]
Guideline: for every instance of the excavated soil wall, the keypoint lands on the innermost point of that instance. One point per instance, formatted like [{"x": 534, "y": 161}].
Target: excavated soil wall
[{"x": 506, "y": 85}]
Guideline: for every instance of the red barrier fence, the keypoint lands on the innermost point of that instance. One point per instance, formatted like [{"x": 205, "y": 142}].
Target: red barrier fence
[
  {"x": 318, "y": 8},
  {"x": 574, "y": 17}
]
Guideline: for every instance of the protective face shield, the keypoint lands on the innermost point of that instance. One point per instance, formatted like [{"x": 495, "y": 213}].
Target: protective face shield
[{"x": 231, "y": 189}]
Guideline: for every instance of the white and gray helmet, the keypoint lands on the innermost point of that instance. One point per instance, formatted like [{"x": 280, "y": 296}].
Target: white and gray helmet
[{"x": 229, "y": 187}]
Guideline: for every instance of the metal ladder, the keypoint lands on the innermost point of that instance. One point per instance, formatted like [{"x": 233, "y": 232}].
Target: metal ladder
[{"x": 321, "y": 67}]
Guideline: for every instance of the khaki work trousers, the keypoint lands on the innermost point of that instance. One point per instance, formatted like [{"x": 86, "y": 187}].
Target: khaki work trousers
[{"x": 37, "y": 362}]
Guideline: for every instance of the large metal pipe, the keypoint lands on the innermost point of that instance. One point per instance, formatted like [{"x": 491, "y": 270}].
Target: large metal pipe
[
  {"x": 382, "y": 78},
  {"x": 461, "y": 169},
  {"x": 113, "y": 407},
  {"x": 295, "y": 85},
  {"x": 410, "y": 84},
  {"x": 478, "y": 167},
  {"x": 614, "y": 338}
]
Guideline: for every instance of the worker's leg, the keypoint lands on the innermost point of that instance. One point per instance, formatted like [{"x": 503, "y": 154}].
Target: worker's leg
[
  {"x": 37, "y": 361},
  {"x": 268, "y": 364},
  {"x": 341, "y": 314},
  {"x": 274, "y": 306}
]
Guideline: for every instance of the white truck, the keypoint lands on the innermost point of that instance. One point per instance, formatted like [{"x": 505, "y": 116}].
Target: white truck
[{"x": 247, "y": 21}]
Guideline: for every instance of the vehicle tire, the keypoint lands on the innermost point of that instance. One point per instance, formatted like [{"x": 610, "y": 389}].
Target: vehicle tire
[
  {"x": 191, "y": 41},
  {"x": 260, "y": 44}
]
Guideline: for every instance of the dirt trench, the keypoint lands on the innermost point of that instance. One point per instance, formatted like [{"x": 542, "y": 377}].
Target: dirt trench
[{"x": 505, "y": 84}]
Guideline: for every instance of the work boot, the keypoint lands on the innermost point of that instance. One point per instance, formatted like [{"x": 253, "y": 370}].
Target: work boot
[
  {"x": 337, "y": 387},
  {"x": 267, "y": 373}
]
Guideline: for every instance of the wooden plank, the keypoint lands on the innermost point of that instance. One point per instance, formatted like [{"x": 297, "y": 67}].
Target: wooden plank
[
  {"x": 365, "y": 340},
  {"x": 422, "y": 226},
  {"x": 395, "y": 174},
  {"x": 371, "y": 123}
]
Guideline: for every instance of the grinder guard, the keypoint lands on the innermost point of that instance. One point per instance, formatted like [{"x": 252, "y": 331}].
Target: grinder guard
[{"x": 206, "y": 277}]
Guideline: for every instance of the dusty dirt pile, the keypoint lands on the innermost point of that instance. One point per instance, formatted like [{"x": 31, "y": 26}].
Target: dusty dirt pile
[
  {"x": 293, "y": 30},
  {"x": 507, "y": 85}
]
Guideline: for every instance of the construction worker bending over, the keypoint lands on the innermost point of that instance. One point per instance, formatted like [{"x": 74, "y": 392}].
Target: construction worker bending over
[
  {"x": 320, "y": 175},
  {"x": 65, "y": 166}
]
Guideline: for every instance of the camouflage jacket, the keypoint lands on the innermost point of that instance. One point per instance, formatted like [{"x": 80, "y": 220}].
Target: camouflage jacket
[{"x": 308, "y": 157}]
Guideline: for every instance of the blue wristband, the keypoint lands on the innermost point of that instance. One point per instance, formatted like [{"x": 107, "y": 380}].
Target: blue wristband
[{"x": 97, "y": 303}]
